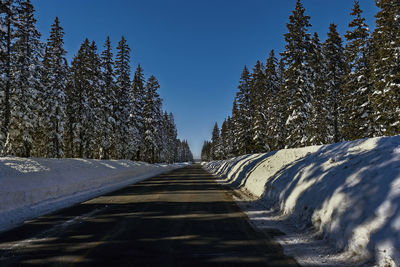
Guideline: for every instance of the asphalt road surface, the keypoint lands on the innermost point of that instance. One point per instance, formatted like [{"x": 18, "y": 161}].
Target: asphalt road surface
[{"x": 181, "y": 218}]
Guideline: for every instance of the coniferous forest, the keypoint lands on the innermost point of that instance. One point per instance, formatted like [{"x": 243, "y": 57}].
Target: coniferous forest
[
  {"x": 88, "y": 108},
  {"x": 342, "y": 89}
]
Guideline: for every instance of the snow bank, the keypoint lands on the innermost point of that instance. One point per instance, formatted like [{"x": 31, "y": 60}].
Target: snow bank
[
  {"x": 348, "y": 192},
  {"x": 30, "y": 187}
]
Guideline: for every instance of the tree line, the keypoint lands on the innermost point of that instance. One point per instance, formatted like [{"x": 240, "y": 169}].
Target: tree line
[
  {"x": 89, "y": 108},
  {"x": 317, "y": 92}
]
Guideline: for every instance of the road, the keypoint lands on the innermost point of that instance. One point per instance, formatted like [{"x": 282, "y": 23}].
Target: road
[{"x": 181, "y": 218}]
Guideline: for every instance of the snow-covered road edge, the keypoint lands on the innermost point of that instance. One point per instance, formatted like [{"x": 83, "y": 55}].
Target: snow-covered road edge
[
  {"x": 346, "y": 195},
  {"x": 21, "y": 199}
]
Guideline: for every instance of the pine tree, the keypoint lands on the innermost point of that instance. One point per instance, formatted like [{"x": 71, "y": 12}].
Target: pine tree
[
  {"x": 138, "y": 100},
  {"x": 356, "y": 84},
  {"x": 126, "y": 136},
  {"x": 244, "y": 116},
  {"x": 206, "y": 151},
  {"x": 318, "y": 128},
  {"x": 96, "y": 103},
  {"x": 54, "y": 79},
  {"x": 334, "y": 62},
  {"x": 7, "y": 19},
  {"x": 297, "y": 77},
  {"x": 272, "y": 89},
  {"x": 107, "y": 121},
  {"x": 77, "y": 99},
  {"x": 151, "y": 115},
  {"x": 280, "y": 101},
  {"x": 235, "y": 129},
  {"x": 258, "y": 95},
  {"x": 25, "y": 82},
  {"x": 385, "y": 75},
  {"x": 216, "y": 149}
]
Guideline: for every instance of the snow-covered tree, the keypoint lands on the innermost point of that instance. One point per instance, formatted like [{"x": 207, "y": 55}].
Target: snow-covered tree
[
  {"x": 244, "y": 116},
  {"x": 127, "y": 134},
  {"x": 385, "y": 96},
  {"x": 258, "y": 96},
  {"x": 52, "y": 95},
  {"x": 334, "y": 63},
  {"x": 107, "y": 125},
  {"x": 206, "y": 151},
  {"x": 356, "y": 82},
  {"x": 138, "y": 101},
  {"x": 216, "y": 147},
  {"x": 318, "y": 128},
  {"x": 7, "y": 19},
  {"x": 26, "y": 69},
  {"x": 271, "y": 104},
  {"x": 297, "y": 77},
  {"x": 151, "y": 118}
]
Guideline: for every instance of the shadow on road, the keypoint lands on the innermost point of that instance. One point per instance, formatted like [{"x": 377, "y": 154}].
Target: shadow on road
[{"x": 182, "y": 218}]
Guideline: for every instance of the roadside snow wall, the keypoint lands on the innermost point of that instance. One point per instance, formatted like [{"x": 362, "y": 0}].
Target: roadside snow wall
[
  {"x": 30, "y": 187},
  {"x": 349, "y": 192}
]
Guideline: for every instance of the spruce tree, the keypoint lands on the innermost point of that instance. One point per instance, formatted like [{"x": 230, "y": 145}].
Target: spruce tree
[
  {"x": 151, "y": 115},
  {"x": 318, "y": 128},
  {"x": 297, "y": 84},
  {"x": 108, "y": 94},
  {"x": 7, "y": 19},
  {"x": 77, "y": 99},
  {"x": 216, "y": 149},
  {"x": 385, "y": 75},
  {"x": 280, "y": 101},
  {"x": 54, "y": 79},
  {"x": 356, "y": 82},
  {"x": 334, "y": 62},
  {"x": 272, "y": 89},
  {"x": 26, "y": 68},
  {"x": 244, "y": 116},
  {"x": 126, "y": 135},
  {"x": 138, "y": 100},
  {"x": 235, "y": 129},
  {"x": 258, "y": 96}
]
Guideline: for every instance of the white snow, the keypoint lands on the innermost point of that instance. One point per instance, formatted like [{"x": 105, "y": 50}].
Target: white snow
[
  {"x": 344, "y": 199},
  {"x": 30, "y": 187}
]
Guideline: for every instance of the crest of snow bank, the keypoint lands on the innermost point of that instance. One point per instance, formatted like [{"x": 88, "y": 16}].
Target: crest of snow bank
[
  {"x": 349, "y": 192},
  {"x": 30, "y": 187}
]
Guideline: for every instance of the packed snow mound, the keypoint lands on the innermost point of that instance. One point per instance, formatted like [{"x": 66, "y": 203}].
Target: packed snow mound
[
  {"x": 30, "y": 187},
  {"x": 349, "y": 192}
]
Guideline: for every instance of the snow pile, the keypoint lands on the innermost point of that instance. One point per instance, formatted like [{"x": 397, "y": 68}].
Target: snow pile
[
  {"x": 31, "y": 187},
  {"x": 348, "y": 192}
]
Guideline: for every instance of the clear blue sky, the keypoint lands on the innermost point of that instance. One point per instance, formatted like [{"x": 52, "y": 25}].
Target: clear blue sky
[{"x": 197, "y": 49}]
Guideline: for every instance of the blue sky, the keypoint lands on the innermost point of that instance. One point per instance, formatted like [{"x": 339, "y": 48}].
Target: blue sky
[{"x": 197, "y": 49}]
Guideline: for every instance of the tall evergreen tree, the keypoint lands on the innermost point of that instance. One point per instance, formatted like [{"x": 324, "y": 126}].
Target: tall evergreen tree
[
  {"x": 138, "y": 101},
  {"x": 77, "y": 99},
  {"x": 334, "y": 62},
  {"x": 356, "y": 83},
  {"x": 126, "y": 132},
  {"x": 7, "y": 19},
  {"x": 318, "y": 128},
  {"x": 206, "y": 151},
  {"x": 271, "y": 105},
  {"x": 297, "y": 77},
  {"x": 26, "y": 67},
  {"x": 258, "y": 95},
  {"x": 235, "y": 129},
  {"x": 151, "y": 116},
  {"x": 244, "y": 116},
  {"x": 54, "y": 79},
  {"x": 216, "y": 149},
  {"x": 107, "y": 123},
  {"x": 385, "y": 96}
]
